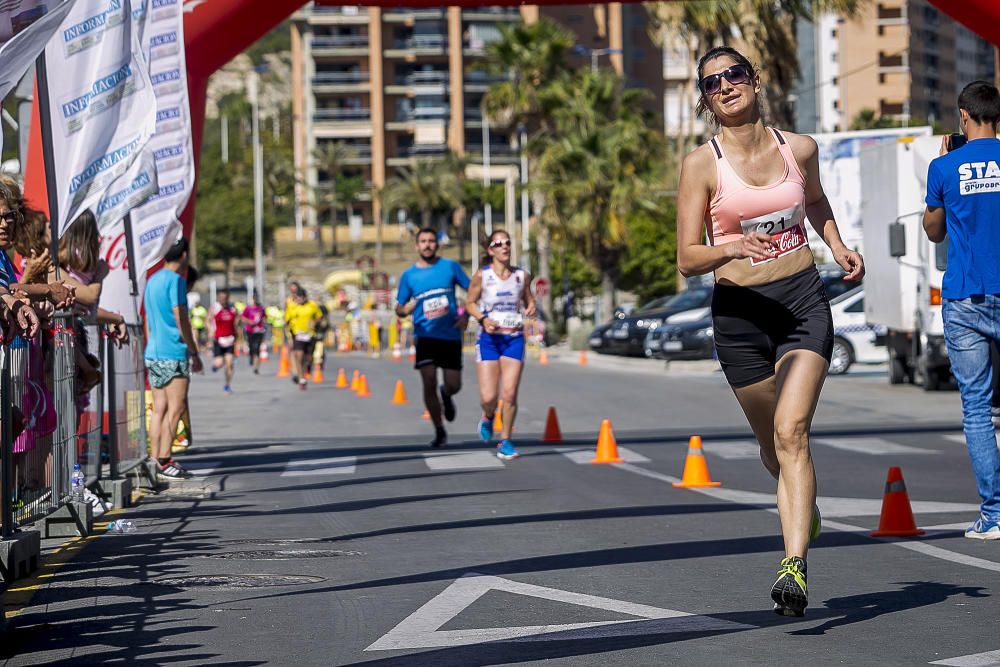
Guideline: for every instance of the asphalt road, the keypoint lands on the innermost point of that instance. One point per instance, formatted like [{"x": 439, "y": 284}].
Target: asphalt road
[{"x": 322, "y": 531}]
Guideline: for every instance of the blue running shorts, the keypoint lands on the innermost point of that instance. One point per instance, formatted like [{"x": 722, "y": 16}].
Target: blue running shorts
[{"x": 490, "y": 347}]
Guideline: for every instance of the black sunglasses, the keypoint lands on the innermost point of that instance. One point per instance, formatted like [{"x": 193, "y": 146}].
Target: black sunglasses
[
  {"x": 9, "y": 216},
  {"x": 735, "y": 75},
  {"x": 500, "y": 244}
]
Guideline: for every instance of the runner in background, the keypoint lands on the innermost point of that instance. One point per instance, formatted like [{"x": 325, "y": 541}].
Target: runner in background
[
  {"x": 254, "y": 325},
  {"x": 427, "y": 292},
  {"x": 222, "y": 325},
  {"x": 319, "y": 346},
  {"x": 496, "y": 297},
  {"x": 301, "y": 317}
]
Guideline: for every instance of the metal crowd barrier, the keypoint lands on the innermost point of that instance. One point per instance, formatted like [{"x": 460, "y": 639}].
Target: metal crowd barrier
[
  {"x": 40, "y": 380},
  {"x": 126, "y": 383}
]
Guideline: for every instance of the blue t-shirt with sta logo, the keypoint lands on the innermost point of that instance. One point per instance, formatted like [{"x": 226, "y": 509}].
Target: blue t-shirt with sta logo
[
  {"x": 966, "y": 183},
  {"x": 434, "y": 289},
  {"x": 165, "y": 291}
]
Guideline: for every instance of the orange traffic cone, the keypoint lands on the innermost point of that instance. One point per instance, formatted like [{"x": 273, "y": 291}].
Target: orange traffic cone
[
  {"x": 341, "y": 379},
  {"x": 695, "y": 468},
  {"x": 897, "y": 516},
  {"x": 426, "y": 416},
  {"x": 283, "y": 363},
  {"x": 399, "y": 395},
  {"x": 363, "y": 387},
  {"x": 607, "y": 447},
  {"x": 318, "y": 375},
  {"x": 552, "y": 432},
  {"x": 356, "y": 381},
  {"x": 583, "y": 357},
  {"x": 498, "y": 418},
  {"x": 543, "y": 357}
]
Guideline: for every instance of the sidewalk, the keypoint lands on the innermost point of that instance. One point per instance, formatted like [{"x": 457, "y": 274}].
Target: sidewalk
[{"x": 563, "y": 354}]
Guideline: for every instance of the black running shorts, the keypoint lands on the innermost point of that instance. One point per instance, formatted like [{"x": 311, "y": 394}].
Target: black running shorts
[
  {"x": 754, "y": 326},
  {"x": 440, "y": 353}
]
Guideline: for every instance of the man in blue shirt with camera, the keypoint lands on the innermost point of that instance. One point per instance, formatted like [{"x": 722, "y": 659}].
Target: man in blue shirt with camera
[{"x": 963, "y": 203}]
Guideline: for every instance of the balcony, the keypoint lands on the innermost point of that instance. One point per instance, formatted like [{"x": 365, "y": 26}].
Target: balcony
[
  {"x": 340, "y": 82},
  {"x": 338, "y": 15},
  {"x": 419, "y": 83},
  {"x": 406, "y": 119},
  {"x": 892, "y": 63},
  {"x": 478, "y": 81},
  {"x": 321, "y": 115},
  {"x": 406, "y": 154},
  {"x": 339, "y": 45},
  {"x": 491, "y": 14},
  {"x": 496, "y": 150},
  {"x": 418, "y": 45},
  {"x": 409, "y": 15}
]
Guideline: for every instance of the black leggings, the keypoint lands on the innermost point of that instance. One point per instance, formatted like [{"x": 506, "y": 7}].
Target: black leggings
[{"x": 755, "y": 326}]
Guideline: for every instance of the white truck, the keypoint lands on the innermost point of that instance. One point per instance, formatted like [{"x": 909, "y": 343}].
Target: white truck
[{"x": 904, "y": 269}]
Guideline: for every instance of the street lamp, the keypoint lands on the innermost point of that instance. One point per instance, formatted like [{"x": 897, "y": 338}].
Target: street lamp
[
  {"x": 522, "y": 146},
  {"x": 594, "y": 54},
  {"x": 258, "y": 182},
  {"x": 487, "y": 208}
]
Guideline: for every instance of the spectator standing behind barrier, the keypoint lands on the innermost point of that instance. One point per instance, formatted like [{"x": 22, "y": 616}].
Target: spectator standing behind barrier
[
  {"x": 963, "y": 203},
  {"x": 171, "y": 354}
]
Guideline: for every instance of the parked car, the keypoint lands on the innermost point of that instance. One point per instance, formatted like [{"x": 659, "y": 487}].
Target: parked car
[
  {"x": 854, "y": 340},
  {"x": 597, "y": 340},
  {"x": 628, "y": 334},
  {"x": 686, "y": 335}
]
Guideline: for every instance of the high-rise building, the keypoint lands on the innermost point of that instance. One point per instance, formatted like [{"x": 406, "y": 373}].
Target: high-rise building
[
  {"x": 399, "y": 83},
  {"x": 902, "y": 59}
]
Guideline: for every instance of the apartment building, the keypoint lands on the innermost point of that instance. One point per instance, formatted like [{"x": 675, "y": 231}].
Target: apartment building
[
  {"x": 400, "y": 83},
  {"x": 903, "y": 59}
]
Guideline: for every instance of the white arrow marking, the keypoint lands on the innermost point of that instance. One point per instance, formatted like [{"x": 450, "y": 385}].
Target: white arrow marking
[
  {"x": 988, "y": 659},
  {"x": 420, "y": 629}
]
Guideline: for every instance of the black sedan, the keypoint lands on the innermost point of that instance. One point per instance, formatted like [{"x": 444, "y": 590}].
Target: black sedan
[
  {"x": 687, "y": 335},
  {"x": 628, "y": 334}
]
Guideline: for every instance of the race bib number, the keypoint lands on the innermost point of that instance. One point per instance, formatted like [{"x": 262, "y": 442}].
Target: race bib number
[
  {"x": 227, "y": 341},
  {"x": 507, "y": 319},
  {"x": 435, "y": 307},
  {"x": 786, "y": 228},
  {"x": 303, "y": 337}
]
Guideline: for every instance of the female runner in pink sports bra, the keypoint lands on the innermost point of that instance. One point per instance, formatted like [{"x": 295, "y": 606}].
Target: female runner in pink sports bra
[{"x": 752, "y": 188}]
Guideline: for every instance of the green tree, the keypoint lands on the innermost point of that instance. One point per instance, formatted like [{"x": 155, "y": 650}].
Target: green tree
[
  {"x": 600, "y": 161},
  {"x": 649, "y": 263},
  {"x": 425, "y": 186},
  {"x": 331, "y": 159}
]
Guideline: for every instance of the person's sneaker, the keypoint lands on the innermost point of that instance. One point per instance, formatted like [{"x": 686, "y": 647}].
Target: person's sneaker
[
  {"x": 983, "y": 529},
  {"x": 447, "y": 403},
  {"x": 790, "y": 592},
  {"x": 171, "y": 470},
  {"x": 226, "y": 389},
  {"x": 295, "y": 379},
  {"x": 302, "y": 384},
  {"x": 440, "y": 437},
  {"x": 256, "y": 371},
  {"x": 506, "y": 451},
  {"x": 485, "y": 429},
  {"x": 816, "y": 527}
]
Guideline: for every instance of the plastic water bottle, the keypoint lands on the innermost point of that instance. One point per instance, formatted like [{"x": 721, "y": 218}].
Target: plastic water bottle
[
  {"x": 121, "y": 526},
  {"x": 78, "y": 482}
]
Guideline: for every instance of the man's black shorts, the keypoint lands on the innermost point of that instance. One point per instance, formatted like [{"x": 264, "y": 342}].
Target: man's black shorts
[
  {"x": 440, "y": 353},
  {"x": 305, "y": 345},
  {"x": 222, "y": 350}
]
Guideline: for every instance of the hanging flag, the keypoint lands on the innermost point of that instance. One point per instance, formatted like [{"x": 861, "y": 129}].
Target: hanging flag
[
  {"x": 101, "y": 103},
  {"x": 25, "y": 28}
]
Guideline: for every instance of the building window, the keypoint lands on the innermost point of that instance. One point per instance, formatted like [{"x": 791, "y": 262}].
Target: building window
[{"x": 881, "y": 78}]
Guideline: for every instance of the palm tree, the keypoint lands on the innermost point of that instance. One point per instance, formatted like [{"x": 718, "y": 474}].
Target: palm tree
[
  {"x": 532, "y": 57},
  {"x": 331, "y": 158},
  {"x": 600, "y": 160},
  {"x": 425, "y": 185},
  {"x": 765, "y": 30}
]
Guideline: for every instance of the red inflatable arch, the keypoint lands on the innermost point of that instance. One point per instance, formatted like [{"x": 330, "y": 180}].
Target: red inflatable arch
[{"x": 218, "y": 30}]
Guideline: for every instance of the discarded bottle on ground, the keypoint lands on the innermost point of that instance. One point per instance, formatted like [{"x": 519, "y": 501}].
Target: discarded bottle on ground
[
  {"x": 121, "y": 526},
  {"x": 78, "y": 482}
]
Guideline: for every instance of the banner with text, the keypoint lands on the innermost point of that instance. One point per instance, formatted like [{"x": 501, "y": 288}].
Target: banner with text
[
  {"x": 25, "y": 29},
  {"x": 102, "y": 106}
]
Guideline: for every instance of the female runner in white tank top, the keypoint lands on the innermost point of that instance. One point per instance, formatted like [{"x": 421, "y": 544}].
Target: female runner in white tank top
[{"x": 500, "y": 297}]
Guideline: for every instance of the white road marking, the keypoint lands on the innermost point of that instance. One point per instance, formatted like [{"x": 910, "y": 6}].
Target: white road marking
[
  {"x": 962, "y": 525},
  {"x": 873, "y": 446},
  {"x": 420, "y": 629},
  {"x": 202, "y": 468},
  {"x": 462, "y": 460},
  {"x": 583, "y": 455},
  {"x": 839, "y": 507},
  {"x": 734, "y": 449},
  {"x": 960, "y": 438},
  {"x": 987, "y": 659},
  {"x": 335, "y": 465}
]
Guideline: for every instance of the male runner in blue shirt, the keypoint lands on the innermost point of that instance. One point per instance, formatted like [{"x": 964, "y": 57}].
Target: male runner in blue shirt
[
  {"x": 427, "y": 292},
  {"x": 963, "y": 203}
]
